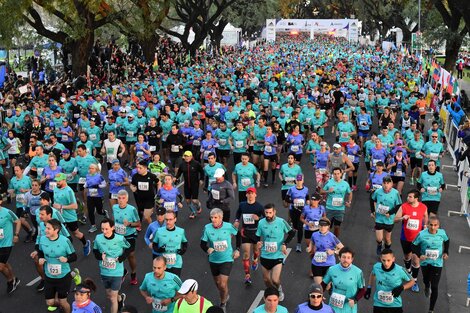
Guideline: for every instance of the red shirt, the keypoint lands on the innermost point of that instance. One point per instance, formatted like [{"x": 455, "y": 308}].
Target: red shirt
[{"x": 412, "y": 226}]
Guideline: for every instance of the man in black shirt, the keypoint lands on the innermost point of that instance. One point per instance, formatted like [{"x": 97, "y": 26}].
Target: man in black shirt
[
  {"x": 193, "y": 174},
  {"x": 144, "y": 185}
]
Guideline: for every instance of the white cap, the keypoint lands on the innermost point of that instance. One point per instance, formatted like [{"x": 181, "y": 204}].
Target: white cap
[
  {"x": 336, "y": 145},
  {"x": 188, "y": 286},
  {"x": 219, "y": 173}
]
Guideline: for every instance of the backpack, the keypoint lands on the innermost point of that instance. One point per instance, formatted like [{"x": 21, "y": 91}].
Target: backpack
[{"x": 201, "y": 304}]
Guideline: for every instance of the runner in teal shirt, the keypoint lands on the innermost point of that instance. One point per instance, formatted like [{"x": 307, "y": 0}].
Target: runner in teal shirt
[
  {"x": 159, "y": 287},
  {"x": 289, "y": 172},
  {"x": 389, "y": 279},
  {"x": 244, "y": 174},
  {"x": 347, "y": 283}
]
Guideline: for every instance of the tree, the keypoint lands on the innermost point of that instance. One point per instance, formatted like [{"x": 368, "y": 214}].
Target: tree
[
  {"x": 142, "y": 23},
  {"x": 200, "y": 16},
  {"x": 451, "y": 13},
  {"x": 75, "y": 23}
]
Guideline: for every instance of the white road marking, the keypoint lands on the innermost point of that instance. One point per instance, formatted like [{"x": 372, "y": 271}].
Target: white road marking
[
  {"x": 259, "y": 297},
  {"x": 255, "y": 303},
  {"x": 180, "y": 184},
  {"x": 34, "y": 281},
  {"x": 450, "y": 185}
]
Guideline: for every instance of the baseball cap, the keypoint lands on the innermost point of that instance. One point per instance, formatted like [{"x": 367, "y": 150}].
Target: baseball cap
[
  {"x": 251, "y": 189},
  {"x": 130, "y": 116},
  {"x": 299, "y": 177},
  {"x": 161, "y": 211},
  {"x": 187, "y": 153},
  {"x": 65, "y": 151},
  {"x": 188, "y": 286},
  {"x": 336, "y": 146},
  {"x": 115, "y": 161},
  {"x": 315, "y": 288},
  {"x": 387, "y": 179},
  {"x": 60, "y": 176},
  {"x": 219, "y": 173},
  {"x": 324, "y": 221},
  {"x": 316, "y": 196},
  {"x": 122, "y": 110}
]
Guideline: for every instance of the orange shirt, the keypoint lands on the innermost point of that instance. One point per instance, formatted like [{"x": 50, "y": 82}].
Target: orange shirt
[{"x": 421, "y": 104}]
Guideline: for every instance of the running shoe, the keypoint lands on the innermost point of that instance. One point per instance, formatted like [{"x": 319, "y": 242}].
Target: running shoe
[
  {"x": 248, "y": 281},
  {"x": 122, "y": 302},
  {"x": 412, "y": 181},
  {"x": 415, "y": 287},
  {"x": 223, "y": 306},
  {"x": 427, "y": 291},
  {"x": 11, "y": 286},
  {"x": 82, "y": 220},
  {"x": 40, "y": 287},
  {"x": 192, "y": 216},
  {"x": 298, "y": 248},
  {"x": 265, "y": 185},
  {"x": 133, "y": 279},
  {"x": 379, "y": 249},
  {"x": 87, "y": 248},
  {"x": 354, "y": 188},
  {"x": 77, "y": 279},
  {"x": 92, "y": 229},
  {"x": 281, "y": 294},
  {"x": 138, "y": 229},
  {"x": 254, "y": 265},
  {"x": 29, "y": 237},
  {"x": 52, "y": 308},
  {"x": 106, "y": 213}
]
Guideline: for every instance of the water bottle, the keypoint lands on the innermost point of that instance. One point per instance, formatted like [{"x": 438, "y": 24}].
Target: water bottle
[{"x": 468, "y": 286}]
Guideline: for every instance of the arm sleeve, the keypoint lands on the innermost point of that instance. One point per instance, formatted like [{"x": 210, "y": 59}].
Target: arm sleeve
[
  {"x": 446, "y": 246},
  {"x": 360, "y": 293},
  {"x": 72, "y": 257},
  {"x": 416, "y": 250},
  {"x": 184, "y": 247},
  {"x": 97, "y": 254},
  {"x": 290, "y": 235},
  {"x": 204, "y": 246},
  {"x": 124, "y": 254}
]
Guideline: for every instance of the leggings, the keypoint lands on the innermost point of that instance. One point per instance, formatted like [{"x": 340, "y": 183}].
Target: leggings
[
  {"x": 94, "y": 203},
  {"x": 431, "y": 277},
  {"x": 296, "y": 223}
]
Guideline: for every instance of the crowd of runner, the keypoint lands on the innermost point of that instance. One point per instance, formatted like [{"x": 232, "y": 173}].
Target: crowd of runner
[{"x": 229, "y": 126}]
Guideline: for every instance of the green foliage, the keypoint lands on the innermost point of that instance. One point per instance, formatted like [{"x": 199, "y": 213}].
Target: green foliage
[{"x": 251, "y": 15}]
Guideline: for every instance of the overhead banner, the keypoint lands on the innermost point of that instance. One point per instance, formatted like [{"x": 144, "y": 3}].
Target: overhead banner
[
  {"x": 348, "y": 28},
  {"x": 270, "y": 30}
]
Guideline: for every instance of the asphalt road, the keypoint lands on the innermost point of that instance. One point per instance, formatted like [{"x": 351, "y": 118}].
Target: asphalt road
[{"x": 357, "y": 232}]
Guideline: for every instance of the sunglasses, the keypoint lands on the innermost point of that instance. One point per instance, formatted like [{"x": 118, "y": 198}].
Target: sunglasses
[
  {"x": 434, "y": 136},
  {"x": 434, "y": 225},
  {"x": 312, "y": 296}
]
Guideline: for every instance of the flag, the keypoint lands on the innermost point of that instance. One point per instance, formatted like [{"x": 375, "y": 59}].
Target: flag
[{"x": 155, "y": 63}]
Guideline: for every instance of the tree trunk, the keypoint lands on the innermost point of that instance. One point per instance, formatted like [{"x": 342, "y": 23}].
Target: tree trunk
[
  {"x": 453, "y": 45},
  {"x": 81, "y": 50},
  {"x": 148, "y": 46}
]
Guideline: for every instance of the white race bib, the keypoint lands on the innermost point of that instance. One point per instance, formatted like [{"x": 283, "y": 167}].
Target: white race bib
[
  {"x": 54, "y": 269},
  {"x": 169, "y": 205},
  {"x": 412, "y": 224},
  {"x": 114, "y": 196},
  {"x": 20, "y": 198},
  {"x": 268, "y": 149},
  {"x": 215, "y": 194},
  {"x": 290, "y": 180},
  {"x": 222, "y": 142},
  {"x": 398, "y": 173},
  {"x": 152, "y": 148},
  {"x": 374, "y": 161},
  {"x": 120, "y": 229},
  {"x": 270, "y": 246},
  {"x": 2, "y": 235},
  {"x": 109, "y": 263},
  {"x": 238, "y": 144},
  {"x": 294, "y": 148},
  {"x": 383, "y": 209},
  {"x": 92, "y": 136},
  {"x": 299, "y": 203},
  {"x": 170, "y": 258},
  {"x": 432, "y": 254},
  {"x": 140, "y": 154},
  {"x": 220, "y": 246},
  {"x": 39, "y": 170},
  {"x": 385, "y": 296},
  {"x": 351, "y": 157},
  {"x": 320, "y": 257},
  {"x": 248, "y": 219},
  {"x": 175, "y": 148},
  {"x": 432, "y": 190},
  {"x": 337, "y": 201},
  {"x": 65, "y": 137},
  {"x": 337, "y": 300},
  {"x": 344, "y": 134},
  {"x": 130, "y": 133},
  {"x": 52, "y": 185},
  {"x": 245, "y": 182},
  {"x": 196, "y": 142},
  {"x": 158, "y": 306},
  {"x": 82, "y": 180},
  {"x": 376, "y": 186},
  {"x": 93, "y": 192},
  {"x": 144, "y": 186},
  {"x": 434, "y": 156}
]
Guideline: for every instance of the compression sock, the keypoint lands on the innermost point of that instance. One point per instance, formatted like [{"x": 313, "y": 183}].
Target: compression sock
[
  {"x": 265, "y": 176},
  {"x": 83, "y": 240},
  {"x": 414, "y": 272},
  {"x": 273, "y": 172},
  {"x": 407, "y": 264},
  {"x": 246, "y": 266}
]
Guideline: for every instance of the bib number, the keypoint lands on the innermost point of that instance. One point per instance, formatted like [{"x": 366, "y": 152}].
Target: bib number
[
  {"x": 337, "y": 201},
  {"x": 196, "y": 142},
  {"x": 270, "y": 246},
  {"x": 20, "y": 198},
  {"x": 432, "y": 190},
  {"x": 82, "y": 180},
  {"x": 158, "y": 306},
  {"x": 65, "y": 137},
  {"x": 268, "y": 149},
  {"x": 175, "y": 148},
  {"x": 120, "y": 229},
  {"x": 432, "y": 254},
  {"x": 337, "y": 300},
  {"x": 412, "y": 224},
  {"x": 246, "y": 182},
  {"x": 144, "y": 186},
  {"x": 238, "y": 144},
  {"x": 114, "y": 196},
  {"x": 299, "y": 203},
  {"x": 344, "y": 134},
  {"x": 92, "y": 136},
  {"x": 434, "y": 156},
  {"x": 215, "y": 194},
  {"x": 382, "y": 209},
  {"x": 248, "y": 219},
  {"x": 52, "y": 185},
  {"x": 320, "y": 257},
  {"x": 170, "y": 258},
  {"x": 385, "y": 296},
  {"x": 220, "y": 246},
  {"x": 294, "y": 148},
  {"x": 109, "y": 263},
  {"x": 2, "y": 235},
  {"x": 169, "y": 205},
  {"x": 54, "y": 269},
  {"x": 222, "y": 142},
  {"x": 351, "y": 157}
]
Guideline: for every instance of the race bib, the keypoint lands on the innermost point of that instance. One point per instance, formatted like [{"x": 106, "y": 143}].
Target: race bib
[
  {"x": 383, "y": 209},
  {"x": 114, "y": 196},
  {"x": 130, "y": 133},
  {"x": 54, "y": 269},
  {"x": 169, "y": 205},
  {"x": 238, "y": 144},
  {"x": 398, "y": 173},
  {"x": 39, "y": 170},
  {"x": 290, "y": 180},
  {"x": 313, "y": 225},
  {"x": 385, "y": 296},
  {"x": 245, "y": 182},
  {"x": 215, "y": 194},
  {"x": 196, "y": 142},
  {"x": 175, "y": 148},
  {"x": 2, "y": 235},
  {"x": 222, "y": 142},
  {"x": 158, "y": 306},
  {"x": 374, "y": 161},
  {"x": 299, "y": 203},
  {"x": 248, "y": 219},
  {"x": 170, "y": 258},
  {"x": 109, "y": 263},
  {"x": 432, "y": 190},
  {"x": 140, "y": 154},
  {"x": 93, "y": 192},
  {"x": 152, "y": 148},
  {"x": 351, "y": 157},
  {"x": 206, "y": 153},
  {"x": 270, "y": 246},
  {"x": 412, "y": 224},
  {"x": 144, "y": 186},
  {"x": 337, "y": 300},
  {"x": 120, "y": 229},
  {"x": 82, "y": 180},
  {"x": 376, "y": 186},
  {"x": 268, "y": 149},
  {"x": 52, "y": 185},
  {"x": 294, "y": 148},
  {"x": 220, "y": 246},
  {"x": 337, "y": 201},
  {"x": 65, "y": 137},
  {"x": 432, "y": 254},
  {"x": 344, "y": 134},
  {"x": 76, "y": 115},
  {"x": 434, "y": 156},
  {"x": 322, "y": 171},
  {"x": 92, "y": 136},
  {"x": 320, "y": 257},
  {"x": 20, "y": 198}
]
